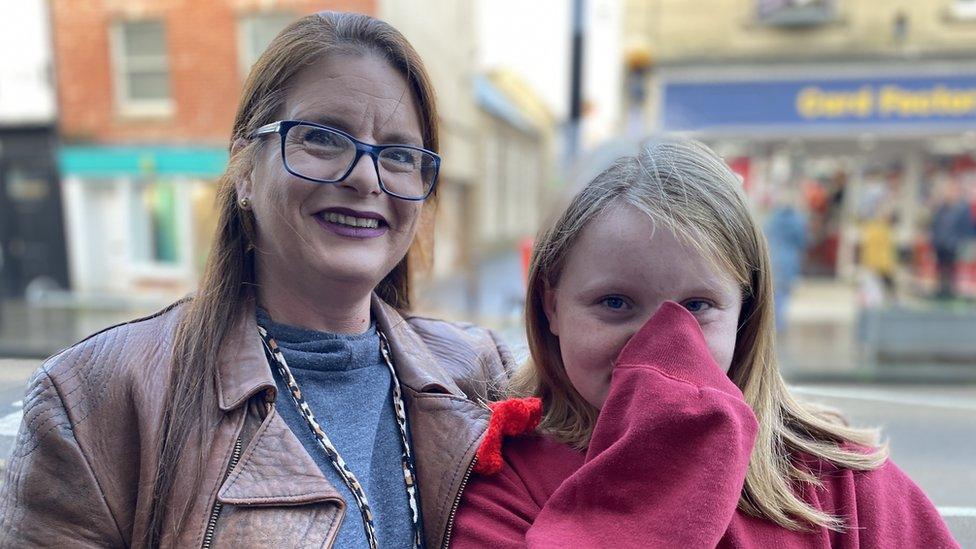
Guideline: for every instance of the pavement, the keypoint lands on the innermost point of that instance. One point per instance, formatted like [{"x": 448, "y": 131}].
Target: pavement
[
  {"x": 38, "y": 330},
  {"x": 13, "y": 380},
  {"x": 820, "y": 343}
]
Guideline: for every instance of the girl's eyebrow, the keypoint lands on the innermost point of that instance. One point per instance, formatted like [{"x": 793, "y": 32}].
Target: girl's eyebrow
[
  {"x": 712, "y": 291},
  {"x": 605, "y": 281}
]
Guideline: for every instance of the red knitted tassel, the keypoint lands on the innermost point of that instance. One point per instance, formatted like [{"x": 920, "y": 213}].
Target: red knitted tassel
[{"x": 510, "y": 417}]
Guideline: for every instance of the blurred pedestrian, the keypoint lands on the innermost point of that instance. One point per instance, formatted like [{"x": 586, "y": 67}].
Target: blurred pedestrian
[
  {"x": 878, "y": 251},
  {"x": 787, "y": 233},
  {"x": 951, "y": 228},
  {"x": 292, "y": 401}
]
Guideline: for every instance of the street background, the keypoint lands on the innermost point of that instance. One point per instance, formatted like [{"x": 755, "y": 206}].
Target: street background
[{"x": 852, "y": 124}]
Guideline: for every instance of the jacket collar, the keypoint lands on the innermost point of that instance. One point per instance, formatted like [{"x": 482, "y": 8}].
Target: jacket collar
[
  {"x": 415, "y": 366},
  {"x": 243, "y": 371},
  {"x": 242, "y": 368}
]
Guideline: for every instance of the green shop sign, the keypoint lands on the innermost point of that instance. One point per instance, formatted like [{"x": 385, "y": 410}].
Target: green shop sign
[{"x": 112, "y": 161}]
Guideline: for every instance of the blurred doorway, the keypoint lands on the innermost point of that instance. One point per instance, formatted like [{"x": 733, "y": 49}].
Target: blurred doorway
[{"x": 32, "y": 244}]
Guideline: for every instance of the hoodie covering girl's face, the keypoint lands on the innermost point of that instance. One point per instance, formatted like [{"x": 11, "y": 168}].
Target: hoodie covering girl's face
[{"x": 616, "y": 276}]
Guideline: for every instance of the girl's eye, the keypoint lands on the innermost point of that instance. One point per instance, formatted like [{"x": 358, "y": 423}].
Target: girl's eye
[
  {"x": 697, "y": 305},
  {"x": 614, "y": 302}
]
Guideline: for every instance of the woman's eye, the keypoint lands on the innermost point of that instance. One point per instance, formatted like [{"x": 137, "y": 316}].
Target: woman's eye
[
  {"x": 403, "y": 156},
  {"x": 320, "y": 138},
  {"x": 697, "y": 305},
  {"x": 615, "y": 303}
]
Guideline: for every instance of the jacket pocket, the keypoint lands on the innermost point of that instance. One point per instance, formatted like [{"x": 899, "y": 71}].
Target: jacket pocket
[
  {"x": 276, "y": 496},
  {"x": 305, "y": 526}
]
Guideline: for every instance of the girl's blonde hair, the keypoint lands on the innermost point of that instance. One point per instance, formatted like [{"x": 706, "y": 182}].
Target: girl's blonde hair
[{"x": 685, "y": 187}]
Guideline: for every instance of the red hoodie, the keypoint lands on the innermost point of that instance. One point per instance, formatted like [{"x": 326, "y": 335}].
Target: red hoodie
[{"x": 665, "y": 468}]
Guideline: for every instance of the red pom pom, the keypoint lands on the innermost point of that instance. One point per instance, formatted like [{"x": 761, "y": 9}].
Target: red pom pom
[{"x": 510, "y": 417}]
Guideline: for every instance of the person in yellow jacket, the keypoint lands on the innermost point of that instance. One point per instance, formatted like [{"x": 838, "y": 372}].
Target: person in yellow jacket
[{"x": 878, "y": 253}]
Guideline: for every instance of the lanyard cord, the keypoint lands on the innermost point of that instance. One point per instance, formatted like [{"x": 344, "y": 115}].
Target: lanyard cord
[{"x": 277, "y": 359}]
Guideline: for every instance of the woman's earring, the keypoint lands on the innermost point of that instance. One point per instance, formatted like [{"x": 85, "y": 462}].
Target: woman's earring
[{"x": 245, "y": 203}]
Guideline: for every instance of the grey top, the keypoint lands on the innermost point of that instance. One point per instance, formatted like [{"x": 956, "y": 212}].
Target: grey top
[{"x": 348, "y": 386}]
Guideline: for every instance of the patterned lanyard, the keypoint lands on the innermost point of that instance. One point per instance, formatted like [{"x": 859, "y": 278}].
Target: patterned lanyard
[{"x": 277, "y": 359}]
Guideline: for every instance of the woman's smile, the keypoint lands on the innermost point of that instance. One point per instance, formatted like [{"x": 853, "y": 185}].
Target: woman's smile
[{"x": 352, "y": 223}]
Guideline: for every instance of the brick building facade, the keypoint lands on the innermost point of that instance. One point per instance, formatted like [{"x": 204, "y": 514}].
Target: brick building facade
[
  {"x": 203, "y": 60},
  {"x": 147, "y": 91}
]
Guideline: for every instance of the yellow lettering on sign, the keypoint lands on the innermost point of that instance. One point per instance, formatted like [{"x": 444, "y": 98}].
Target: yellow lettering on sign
[
  {"x": 898, "y": 102},
  {"x": 813, "y": 102}
]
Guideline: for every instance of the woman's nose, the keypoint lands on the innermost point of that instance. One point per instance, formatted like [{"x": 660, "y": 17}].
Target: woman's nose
[{"x": 364, "y": 177}]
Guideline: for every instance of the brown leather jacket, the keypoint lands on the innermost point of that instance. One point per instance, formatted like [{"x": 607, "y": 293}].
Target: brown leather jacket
[{"x": 85, "y": 452}]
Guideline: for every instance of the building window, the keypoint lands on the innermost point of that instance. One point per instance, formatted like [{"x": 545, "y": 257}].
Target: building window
[
  {"x": 795, "y": 13},
  {"x": 154, "y": 227},
  {"x": 964, "y": 9},
  {"x": 255, "y": 31},
  {"x": 142, "y": 69}
]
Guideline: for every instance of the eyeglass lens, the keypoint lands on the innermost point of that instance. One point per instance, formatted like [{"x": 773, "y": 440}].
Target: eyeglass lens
[{"x": 325, "y": 155}]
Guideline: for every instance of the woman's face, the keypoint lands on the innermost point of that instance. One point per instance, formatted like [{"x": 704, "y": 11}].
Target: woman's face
[
  {"x": 616, "y": 276},
  {"x": 301, "y": 239}
]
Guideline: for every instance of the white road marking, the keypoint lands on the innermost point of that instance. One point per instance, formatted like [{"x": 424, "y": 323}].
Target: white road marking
[
  {"x": 10, "y": 423},
  {"x": 887, "y": 397},
  {"x": 968, "y": 512}
]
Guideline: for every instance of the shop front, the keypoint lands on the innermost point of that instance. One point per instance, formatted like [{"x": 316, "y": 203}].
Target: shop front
[
  {"x": 139, "y": 219},
  {"x": 857, "y": 145}
]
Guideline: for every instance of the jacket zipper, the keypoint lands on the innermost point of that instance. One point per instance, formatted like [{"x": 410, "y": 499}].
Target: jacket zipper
[
  {"x": 457, "y": 503},
  {"x": 218, "y": 505}
]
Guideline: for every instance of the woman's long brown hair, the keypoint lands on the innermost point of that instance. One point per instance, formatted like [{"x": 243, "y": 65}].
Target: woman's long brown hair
[{"x": 228, "y": 280}]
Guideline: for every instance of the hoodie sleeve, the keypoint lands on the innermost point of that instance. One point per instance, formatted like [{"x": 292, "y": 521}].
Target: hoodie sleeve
[
  {"x": 893, "y": 511},
  {"x": 665, "y": 465}
]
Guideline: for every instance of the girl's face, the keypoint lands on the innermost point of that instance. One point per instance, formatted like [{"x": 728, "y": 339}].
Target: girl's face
[{"x": 616, "y": 276}]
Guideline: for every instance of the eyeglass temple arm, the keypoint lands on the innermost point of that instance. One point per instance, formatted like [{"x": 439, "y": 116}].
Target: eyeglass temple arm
[{"x": 266, "y": 129}]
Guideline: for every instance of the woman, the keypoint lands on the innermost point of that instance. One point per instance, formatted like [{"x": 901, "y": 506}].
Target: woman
[{"x": 288, "y": 403}]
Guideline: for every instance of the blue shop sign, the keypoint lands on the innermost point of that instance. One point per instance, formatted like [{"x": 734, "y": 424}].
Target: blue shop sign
[{"x": 826, "y": 104}]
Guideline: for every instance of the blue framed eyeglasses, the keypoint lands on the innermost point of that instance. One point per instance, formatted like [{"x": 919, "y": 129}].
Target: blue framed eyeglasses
[{"x": 326, "y": 155}]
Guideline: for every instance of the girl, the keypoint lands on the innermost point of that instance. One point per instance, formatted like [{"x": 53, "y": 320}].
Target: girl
[{"x": 653, "y": 413}]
